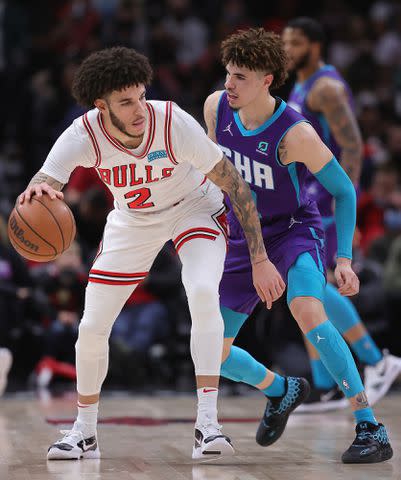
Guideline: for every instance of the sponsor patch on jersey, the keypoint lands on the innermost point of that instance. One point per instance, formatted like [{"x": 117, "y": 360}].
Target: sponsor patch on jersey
[
  {"x": 156, "y": 155},
  {"x": 262, "y": 148}
]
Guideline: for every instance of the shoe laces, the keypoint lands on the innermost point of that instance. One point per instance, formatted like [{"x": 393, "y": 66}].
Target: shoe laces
[
  {"x": 273, "y": 405},
  {"x": 72, "y": 436},
  {"x": 209, "y": 427},
  {"x": 363, "y": 437}
]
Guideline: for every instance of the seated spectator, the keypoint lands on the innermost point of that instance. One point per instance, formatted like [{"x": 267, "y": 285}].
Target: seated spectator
[
  {"x": 90, "y": 216},
  {"x": 375, "y": 204},
  {"x": 64, "y": 283},
  {"x": 148, "y": 320},
  {"x": 19, "y": 312},
  {"x": 82, "y": 180},
  {"x": 392, "y": 289}
]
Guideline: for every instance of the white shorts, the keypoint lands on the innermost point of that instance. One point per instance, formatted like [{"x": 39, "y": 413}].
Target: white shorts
[{"x": 131, "y": 242}]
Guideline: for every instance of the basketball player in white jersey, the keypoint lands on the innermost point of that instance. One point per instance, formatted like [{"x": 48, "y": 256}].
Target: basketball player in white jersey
[{"x": 162, "y": 170}]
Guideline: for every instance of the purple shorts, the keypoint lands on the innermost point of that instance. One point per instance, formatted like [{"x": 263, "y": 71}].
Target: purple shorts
[{"x": 286, "y": 238}]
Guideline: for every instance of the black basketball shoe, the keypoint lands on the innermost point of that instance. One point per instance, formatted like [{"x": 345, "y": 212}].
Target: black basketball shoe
[
  {"x": 371, "y": 445},
  {"x": 278, "y": 410}
]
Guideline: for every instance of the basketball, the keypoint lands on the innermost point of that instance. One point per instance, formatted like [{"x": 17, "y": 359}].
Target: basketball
[{"x": 41, "y": 229}]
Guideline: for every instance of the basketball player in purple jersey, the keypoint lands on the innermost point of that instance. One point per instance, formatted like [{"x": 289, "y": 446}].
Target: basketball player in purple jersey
[
  {"x": 323, "y": 97},
  {"x": 276, "y": 150}
]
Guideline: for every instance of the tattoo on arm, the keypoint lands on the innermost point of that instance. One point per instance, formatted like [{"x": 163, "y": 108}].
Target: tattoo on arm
[
  {"x": 334, "y": 105},
  {"x": 226, "y": 176},
  {"x": 362, "y": 400},
  {"x": 282, "y": 151},
  {"x": 41, "y": 177}
]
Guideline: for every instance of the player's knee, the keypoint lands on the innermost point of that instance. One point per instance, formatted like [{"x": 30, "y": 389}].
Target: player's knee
[
  {"x": 202, "y": 296},
  {"x": 226, "y": 349},
  {"x": 90, "y": 340},
  {"x": 308, "y": 312}
]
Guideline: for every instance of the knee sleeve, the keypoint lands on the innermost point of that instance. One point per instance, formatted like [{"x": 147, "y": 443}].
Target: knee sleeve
[
  {"x": 102, "y": 305},
  {"x": 305, "y": 279},
  {"x": 92, "y": 359},
  {"x": 207, "y": 329}
]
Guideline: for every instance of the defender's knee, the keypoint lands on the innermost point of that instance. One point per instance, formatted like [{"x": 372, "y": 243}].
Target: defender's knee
[
  {"x": 308, "y": 312},
  {"x": 226, "y": 348}
]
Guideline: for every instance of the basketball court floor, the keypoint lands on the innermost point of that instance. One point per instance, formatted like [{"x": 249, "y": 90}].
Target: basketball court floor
[{"x": 150, "y": 438}]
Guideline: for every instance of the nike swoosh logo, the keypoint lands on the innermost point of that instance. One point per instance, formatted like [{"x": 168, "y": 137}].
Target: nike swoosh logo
[{"x": 205, "y": 390}]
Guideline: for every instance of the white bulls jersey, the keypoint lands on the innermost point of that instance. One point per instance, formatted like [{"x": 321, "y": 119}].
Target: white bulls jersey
[{"x": 170, "y": 163}]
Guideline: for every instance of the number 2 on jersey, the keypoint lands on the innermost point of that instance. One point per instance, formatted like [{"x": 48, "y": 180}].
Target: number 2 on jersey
[{"x": 140, "y": 197}]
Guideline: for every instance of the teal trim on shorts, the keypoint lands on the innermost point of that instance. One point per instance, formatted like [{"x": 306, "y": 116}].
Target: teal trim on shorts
[
  {"x": 233, "y": 321},
  {"x": 321, "y": 240},
  {"x": 292, "y": 170},
  {"x": 305, "y": 279}
]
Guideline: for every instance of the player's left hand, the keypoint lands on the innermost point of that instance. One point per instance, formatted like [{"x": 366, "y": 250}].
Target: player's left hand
[
  {"x": 347, "y": 280},
  {"x": 267, "y": 282}
]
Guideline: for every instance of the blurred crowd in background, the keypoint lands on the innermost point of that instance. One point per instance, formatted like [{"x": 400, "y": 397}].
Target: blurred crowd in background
[{"x": 41, "y": 45}]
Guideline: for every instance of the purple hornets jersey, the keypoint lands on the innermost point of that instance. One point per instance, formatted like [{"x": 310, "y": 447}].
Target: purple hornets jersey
[
  {"x": 279, "y": 190},
  {"x": 290, "y": 220},
  {"x": 298, "y": 101}
]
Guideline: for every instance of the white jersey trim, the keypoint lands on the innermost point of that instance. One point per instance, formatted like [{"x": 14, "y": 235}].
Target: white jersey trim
[{"x": 92, "y": 136}]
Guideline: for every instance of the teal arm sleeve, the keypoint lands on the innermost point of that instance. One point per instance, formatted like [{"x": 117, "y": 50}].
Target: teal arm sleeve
[{"x": 336, "y": 181}]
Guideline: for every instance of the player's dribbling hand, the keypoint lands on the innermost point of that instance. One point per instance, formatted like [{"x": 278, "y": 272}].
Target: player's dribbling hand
[
  {"x": 347, "y": 280},
  {"x": 39, "y": 189},
  {"x": 267, "y": 282}
]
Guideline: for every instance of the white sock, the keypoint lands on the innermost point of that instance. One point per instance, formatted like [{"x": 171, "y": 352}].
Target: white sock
[
  {"x": 87, "y": 418},
  {"x": 207, "y": 405}
]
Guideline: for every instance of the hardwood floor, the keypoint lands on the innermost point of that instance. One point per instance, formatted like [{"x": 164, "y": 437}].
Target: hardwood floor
[{"x": 150, "y": 438}]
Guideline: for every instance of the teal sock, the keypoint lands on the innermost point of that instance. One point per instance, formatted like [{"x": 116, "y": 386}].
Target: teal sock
[
  {"x": 343, "y": 315},
  {"x": 336, "y": 357},
  {"x": 276, "y": 388},
  {"x": 322, "y": 378},
  {"x": 365, "y": 415},
  {"x": 240, "y": 366},
  {"x": 366, "y": 350}
]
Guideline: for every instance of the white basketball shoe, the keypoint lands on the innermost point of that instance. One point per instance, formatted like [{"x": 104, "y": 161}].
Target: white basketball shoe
[
  {"x": 210, "y": 443},
  {"x": 379, "y": 378},
  {"x": 6, "y": 360},
  {"x": 73, "y": 446}
]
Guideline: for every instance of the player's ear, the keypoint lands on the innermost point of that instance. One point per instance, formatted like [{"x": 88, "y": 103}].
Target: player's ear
[
  {"x": 100, "y": 104},
  {"x": 268, "y": 80}
]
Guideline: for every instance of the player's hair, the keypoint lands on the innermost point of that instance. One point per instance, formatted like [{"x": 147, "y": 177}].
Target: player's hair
[
  {"x": 257, "y": 50},
  {"x": 312, "y": 29},
  {"x": 108, "y": 70}
]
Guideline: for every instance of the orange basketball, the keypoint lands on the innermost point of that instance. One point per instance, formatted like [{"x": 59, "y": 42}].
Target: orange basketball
[{"x": 41, "y": 229}]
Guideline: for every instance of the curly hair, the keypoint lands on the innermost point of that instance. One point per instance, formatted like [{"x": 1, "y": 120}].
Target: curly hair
[
  {"x": 107, "y": 70},
  {"x": 257, "y": 50}
]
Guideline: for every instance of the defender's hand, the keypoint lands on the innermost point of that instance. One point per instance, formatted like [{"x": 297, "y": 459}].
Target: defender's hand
[
  {"x": 347, "y": 279},
  {"x": 39, "y": 189},
  {"x": 267, "y": 281}
]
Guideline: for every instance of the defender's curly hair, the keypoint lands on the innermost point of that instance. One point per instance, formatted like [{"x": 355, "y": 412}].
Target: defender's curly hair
[
  {"x": 107, "y": 70},
  {"x": 257, "y": 50}
]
